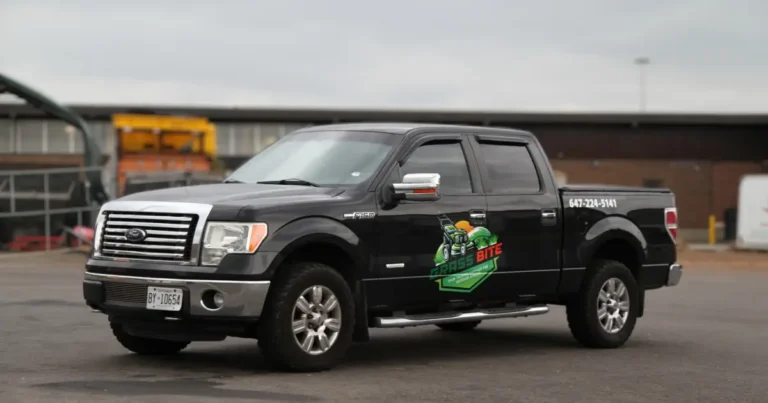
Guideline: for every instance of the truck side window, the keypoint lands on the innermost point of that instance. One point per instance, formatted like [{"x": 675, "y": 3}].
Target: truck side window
[
  {"x": 444, "y": 158},
  {"x": 510, "y": 167}
]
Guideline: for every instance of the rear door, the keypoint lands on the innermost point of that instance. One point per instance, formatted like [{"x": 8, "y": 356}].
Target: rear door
[
  {"x": 523, "y": 213},
  {"x": 416, "y": 238}
]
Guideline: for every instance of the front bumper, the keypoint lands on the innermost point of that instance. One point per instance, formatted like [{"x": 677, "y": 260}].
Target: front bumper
[
  {"x": 127, "y": 295},
  {"x": 675, "y": 274}
]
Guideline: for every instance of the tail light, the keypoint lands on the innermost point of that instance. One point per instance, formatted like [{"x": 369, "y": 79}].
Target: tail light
[{"x": 670, "y": 222}]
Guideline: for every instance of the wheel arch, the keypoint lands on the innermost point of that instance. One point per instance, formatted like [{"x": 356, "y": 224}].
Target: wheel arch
[
  {"x": 322, "y": 248},
  {"x": 314, "y": 235},
  {"x": 615, "y": 238}
]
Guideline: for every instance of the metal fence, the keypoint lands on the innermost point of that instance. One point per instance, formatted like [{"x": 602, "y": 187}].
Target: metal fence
[{"x": 44, "y": 203}]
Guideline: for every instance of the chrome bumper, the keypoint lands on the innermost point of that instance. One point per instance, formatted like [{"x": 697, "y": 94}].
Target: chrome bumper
[
  {"x": 241, "y": 298},
  {"x": 675, "y": 273}
]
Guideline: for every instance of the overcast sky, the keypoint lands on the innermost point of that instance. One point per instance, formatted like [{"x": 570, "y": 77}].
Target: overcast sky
[{"x": 706, "y": 55}]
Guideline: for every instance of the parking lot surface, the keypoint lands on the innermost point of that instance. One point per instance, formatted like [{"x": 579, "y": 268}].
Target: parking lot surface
[{"x": 703, "y": 341}]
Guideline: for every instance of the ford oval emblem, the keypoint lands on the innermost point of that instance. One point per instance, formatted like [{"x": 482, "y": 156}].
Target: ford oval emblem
[{"x": 135, "y": 234}]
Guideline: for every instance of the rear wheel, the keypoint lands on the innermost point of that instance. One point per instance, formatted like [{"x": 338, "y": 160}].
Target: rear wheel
[
  {"x": 459, "y": 326},
  {"x": 146, "y": 346},
  {"x": 604, "y": 313},
  {"x": 309, "y": 319}
]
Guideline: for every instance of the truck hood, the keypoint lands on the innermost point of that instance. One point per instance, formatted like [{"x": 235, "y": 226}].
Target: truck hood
[{"x": 236, "y": 194}]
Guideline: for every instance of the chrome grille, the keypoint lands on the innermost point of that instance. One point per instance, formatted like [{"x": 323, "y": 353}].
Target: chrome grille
[
  {"x": 125, "y": 293},
  {"x": 168, "y": 236}
]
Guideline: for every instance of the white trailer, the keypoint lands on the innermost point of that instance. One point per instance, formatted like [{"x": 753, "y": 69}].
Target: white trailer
[{"x": 752, "y": 222}]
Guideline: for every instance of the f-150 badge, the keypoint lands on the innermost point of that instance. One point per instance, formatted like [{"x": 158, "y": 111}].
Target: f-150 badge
[
  {"x": 360, "y": 215},
  {"x": 466, "y": 258}
]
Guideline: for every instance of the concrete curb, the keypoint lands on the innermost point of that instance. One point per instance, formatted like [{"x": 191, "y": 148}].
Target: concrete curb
[{"x": 710, "y": 248}]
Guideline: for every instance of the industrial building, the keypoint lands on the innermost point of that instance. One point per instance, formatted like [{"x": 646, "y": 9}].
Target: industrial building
[{"x": 701, "y": 157}]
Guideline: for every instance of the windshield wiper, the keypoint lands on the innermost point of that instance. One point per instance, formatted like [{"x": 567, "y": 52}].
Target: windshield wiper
[
  {"x": 232, "y": 181},
  {"x": 291, "y": 181}
]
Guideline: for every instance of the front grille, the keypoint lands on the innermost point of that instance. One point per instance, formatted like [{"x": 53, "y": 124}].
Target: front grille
[
  {"x": 168, "y": 236},
  {"x": 125, "y": 293}
]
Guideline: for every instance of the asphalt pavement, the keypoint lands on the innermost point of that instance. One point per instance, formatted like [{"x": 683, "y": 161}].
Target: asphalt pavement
[{"x": 703, "y": 341}]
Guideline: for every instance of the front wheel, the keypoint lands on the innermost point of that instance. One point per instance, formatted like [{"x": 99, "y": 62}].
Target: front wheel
[
  {"x": 604, "y": 313},
  {"x": 309, "y": 319},
  {"x": 146, "y": 346}
]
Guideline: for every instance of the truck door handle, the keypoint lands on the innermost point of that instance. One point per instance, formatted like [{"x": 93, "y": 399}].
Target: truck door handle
[
  {"x": 477, "y": 217},
  {"x": 548, "y": 216}
]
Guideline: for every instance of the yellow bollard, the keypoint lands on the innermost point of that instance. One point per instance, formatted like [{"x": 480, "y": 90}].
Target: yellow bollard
[{"x": 712, "y": 229}]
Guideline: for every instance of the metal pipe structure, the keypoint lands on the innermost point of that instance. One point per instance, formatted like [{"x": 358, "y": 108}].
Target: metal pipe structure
[{"x": 95, "y": 191}]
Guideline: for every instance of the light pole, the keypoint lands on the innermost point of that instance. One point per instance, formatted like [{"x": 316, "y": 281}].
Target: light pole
[{"x": 642, "y": 63}]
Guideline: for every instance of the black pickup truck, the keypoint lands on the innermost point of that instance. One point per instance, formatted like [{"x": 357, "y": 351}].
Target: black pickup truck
[{"x": 337, "y": 229}]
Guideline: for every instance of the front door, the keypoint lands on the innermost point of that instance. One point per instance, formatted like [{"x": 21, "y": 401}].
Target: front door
[{"x": 418, "y": 238}]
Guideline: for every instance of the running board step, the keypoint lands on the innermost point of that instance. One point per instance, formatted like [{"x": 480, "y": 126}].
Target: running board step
[{"x": 452, "y": 317}]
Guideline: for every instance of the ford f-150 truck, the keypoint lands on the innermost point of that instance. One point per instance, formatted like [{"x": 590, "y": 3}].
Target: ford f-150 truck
[{"x": 336, "y": 229}]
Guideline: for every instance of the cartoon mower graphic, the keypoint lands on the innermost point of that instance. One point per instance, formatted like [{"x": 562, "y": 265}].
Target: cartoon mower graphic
[{"x": 455, "y": 240}]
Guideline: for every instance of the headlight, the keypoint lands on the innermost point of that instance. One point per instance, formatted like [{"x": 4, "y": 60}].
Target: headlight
[{"x": 223, "y": 238}]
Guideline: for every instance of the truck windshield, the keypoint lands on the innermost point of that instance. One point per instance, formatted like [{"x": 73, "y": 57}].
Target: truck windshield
[{"x": 318, "y": 158}]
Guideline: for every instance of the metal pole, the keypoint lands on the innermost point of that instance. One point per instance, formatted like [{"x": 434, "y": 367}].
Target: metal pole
[
  {"x": 79, "y": 224},
  {"x": 642, "y": 63},
  {"x": 47, "y": 209},
  {"x": 13, "y": 195},
  {"x": 642, "y": 89}
]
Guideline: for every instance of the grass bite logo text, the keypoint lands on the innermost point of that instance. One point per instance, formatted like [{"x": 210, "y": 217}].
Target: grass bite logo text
[{"x": 466, "y": 258}]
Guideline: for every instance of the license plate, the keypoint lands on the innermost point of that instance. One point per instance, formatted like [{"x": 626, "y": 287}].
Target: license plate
[{"x": 164, "y": 299}]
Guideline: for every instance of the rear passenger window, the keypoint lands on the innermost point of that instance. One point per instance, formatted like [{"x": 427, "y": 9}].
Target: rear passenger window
[
  {"x": 444, "y": 158},
  {"x": 510, "y": 168}
]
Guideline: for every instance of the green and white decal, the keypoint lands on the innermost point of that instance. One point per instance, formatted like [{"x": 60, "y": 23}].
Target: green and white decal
[{"x": 466, "y": 258}]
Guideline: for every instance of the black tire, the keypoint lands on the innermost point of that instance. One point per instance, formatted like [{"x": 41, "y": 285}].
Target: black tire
[
  {"x": 582, "y": 313},
  {"x": 146, "y": 346},
  {"x": 275, "y": 333},
  {"x": 459, "y": 326}
]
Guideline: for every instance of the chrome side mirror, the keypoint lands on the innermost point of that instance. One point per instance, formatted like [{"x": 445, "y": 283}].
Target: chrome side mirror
[{"x": 418, "y": 187}]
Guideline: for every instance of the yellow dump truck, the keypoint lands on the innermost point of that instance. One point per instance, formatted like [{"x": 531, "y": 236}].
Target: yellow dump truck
[{"x": 153, "y": 147}]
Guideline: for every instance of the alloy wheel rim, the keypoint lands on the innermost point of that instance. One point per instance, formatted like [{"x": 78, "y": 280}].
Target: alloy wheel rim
[
  {"x": 613, "y": 305},
  {"x": 316, "y": 320}
]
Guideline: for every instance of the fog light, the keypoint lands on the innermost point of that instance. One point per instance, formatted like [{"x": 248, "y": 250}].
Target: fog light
[
  {"x": 212, "y": 300},
  {"x": 218, "y": 299}
]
